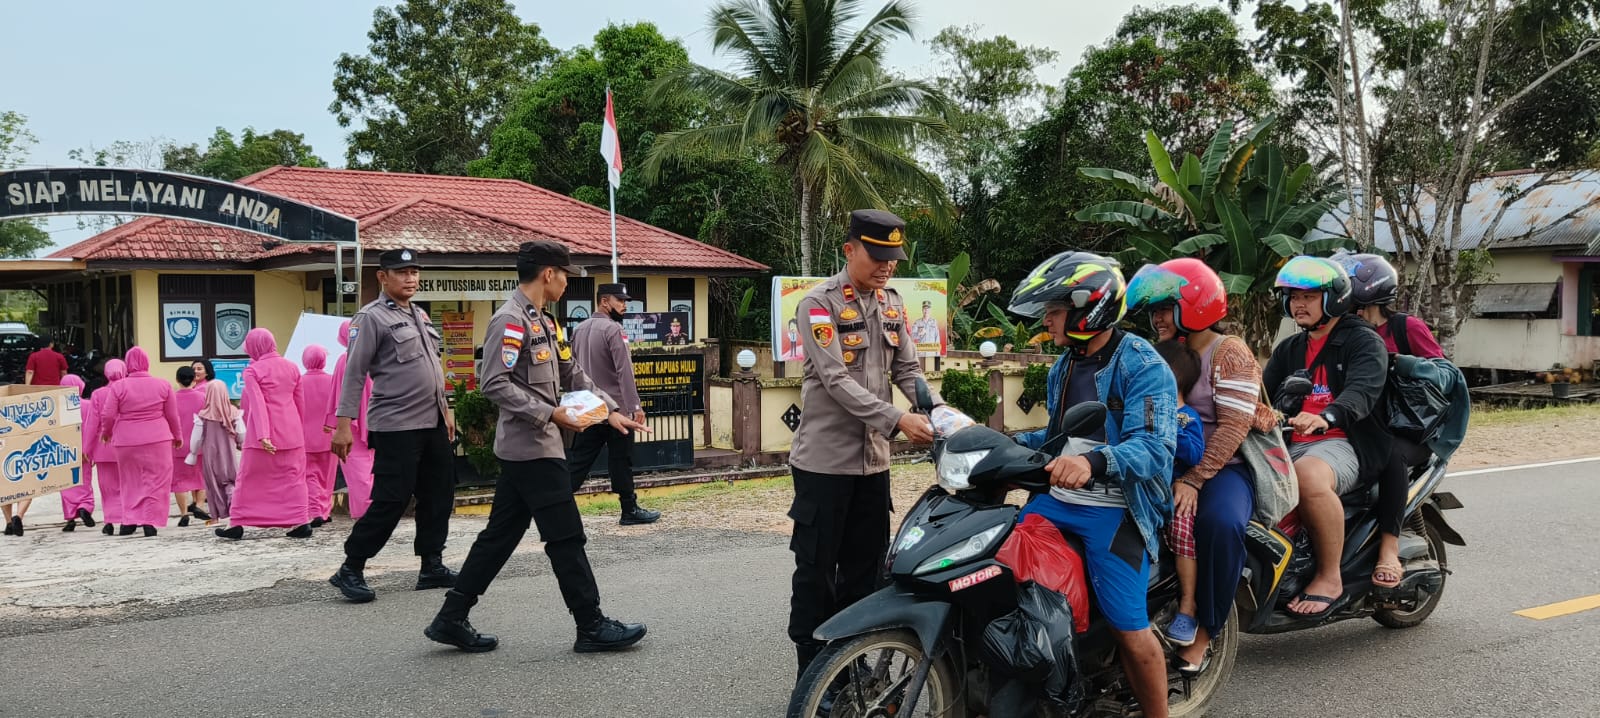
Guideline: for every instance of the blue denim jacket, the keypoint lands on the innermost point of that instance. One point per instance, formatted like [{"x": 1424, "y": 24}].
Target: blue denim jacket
[{"x": 1141, "y": 429}]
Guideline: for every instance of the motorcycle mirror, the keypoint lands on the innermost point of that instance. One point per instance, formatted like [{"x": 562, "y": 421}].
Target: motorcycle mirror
[
  {"x": 924, "y": 396},
  {"x": 1295, "y": 386},
  {"x": 1083, "y": 419}
]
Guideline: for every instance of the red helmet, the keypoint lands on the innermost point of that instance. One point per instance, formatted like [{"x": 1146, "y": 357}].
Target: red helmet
[{"x": 1192, "y": 288}]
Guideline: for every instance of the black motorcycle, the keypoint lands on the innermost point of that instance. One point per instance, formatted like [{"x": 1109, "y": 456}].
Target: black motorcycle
[{"x": 914, "y": 648}]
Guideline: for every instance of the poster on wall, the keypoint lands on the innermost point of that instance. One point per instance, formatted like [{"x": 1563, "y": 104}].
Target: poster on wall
[
  {"x": 654, "y": 329},
  {"x": 233, "y": 322},
  {"x": 927, "y": 315},
  {"x": 686, "y": 308},
  {"x": 578, "y": 310},
  {"x": 231, "y": 372},
  {"x": 319, "y": 329},
  {"x": 459, "y": 366},
  {"x": 180, "y": 330}
]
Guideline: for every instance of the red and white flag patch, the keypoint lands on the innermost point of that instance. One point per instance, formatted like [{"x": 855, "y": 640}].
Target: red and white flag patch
[{"x": 820, "y": 316}]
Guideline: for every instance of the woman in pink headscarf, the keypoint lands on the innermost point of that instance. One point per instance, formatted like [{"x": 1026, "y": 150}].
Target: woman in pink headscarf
[
  {"x": 218, "y": 432},
  {"x": 188, "y": 483},
  {"x": 271, "y": 488},
  {"x": 357, "y": 466},
  {"x": 316, "y": 386},
  {"x": 77, "y": 503},
  {"x": 105, "y": 455},
  {"x": 140, "y": 419}
]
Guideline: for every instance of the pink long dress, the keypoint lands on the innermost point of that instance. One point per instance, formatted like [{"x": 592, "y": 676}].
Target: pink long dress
[
  {"x": 186, "y": 477},
  {"x": 271, "y": 488},
  {"x": 82, "y": 495},
  {"x": 315, "y": 387},
  {"x": 106, "y": 473},
  {"x": 357, "y": 467},
  {"x": 141, "y": 418}
]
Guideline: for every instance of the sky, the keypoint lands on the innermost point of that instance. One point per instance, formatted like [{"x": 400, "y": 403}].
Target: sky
[{"x": 90, "y": 72}]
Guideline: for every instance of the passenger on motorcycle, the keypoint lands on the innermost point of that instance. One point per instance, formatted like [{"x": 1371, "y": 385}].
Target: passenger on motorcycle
[
  {"x": 1119, "y": 515},
  {"x": 1374, "y": 285},
  {"x": 1186, "y": 298},
  {"x": 1338, "y": 441}
]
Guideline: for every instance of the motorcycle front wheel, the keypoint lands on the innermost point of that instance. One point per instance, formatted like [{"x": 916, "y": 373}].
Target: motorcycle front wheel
[
  {"x": 869, "y": 676},
  {"x": 1202, "y": 689}
]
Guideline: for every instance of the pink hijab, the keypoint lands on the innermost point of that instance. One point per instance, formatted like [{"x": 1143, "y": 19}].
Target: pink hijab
[
  {"x": 74, "y": 381},
  {"x": 217, "y": 407},
  {"x": 260, "y": 344},
  {"x": 315, "y": 359},
  {"x": 115, "y": 370},
  {"x": 138, "y": 362}
]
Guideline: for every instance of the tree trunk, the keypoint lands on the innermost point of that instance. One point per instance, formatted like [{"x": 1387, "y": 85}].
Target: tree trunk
[
  {"x": 1259, "y": 317},
  {"x": 805, "y": 227}
]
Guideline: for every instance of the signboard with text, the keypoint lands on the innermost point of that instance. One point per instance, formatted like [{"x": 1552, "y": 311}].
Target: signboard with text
[
  {"x": 459, "y": 365},
  {"x": 657, "y": 329},
  {"x": 659, "y": 373},
  {"x": 464, "y": 286}
]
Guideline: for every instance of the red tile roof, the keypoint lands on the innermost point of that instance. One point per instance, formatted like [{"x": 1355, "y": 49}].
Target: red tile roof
[{"x": 431, "y": 213}]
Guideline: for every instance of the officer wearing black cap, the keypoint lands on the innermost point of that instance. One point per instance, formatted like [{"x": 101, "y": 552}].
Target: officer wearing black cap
[
  {"x": 857, "y": 346},
  {"x": 601, "y": 351},
  {"x": 526, "y": 364},
  {"x": 409, "y": 425}
]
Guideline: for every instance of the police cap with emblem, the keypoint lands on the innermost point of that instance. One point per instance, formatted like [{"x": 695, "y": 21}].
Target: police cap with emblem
[
  {"x": 545, "y": 253},
  {"x": 399, "y": 259},
  {"x": 619, "y": 291},
  {"x": 880, "y": 232}
]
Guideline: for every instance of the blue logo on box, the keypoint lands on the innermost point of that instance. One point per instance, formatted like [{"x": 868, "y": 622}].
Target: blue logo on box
[
  {"x": 38, "y": 459},
  {"x": 26, "y": 413}
]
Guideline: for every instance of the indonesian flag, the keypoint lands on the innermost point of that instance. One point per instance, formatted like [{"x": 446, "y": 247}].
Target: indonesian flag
[{"x": 610, "y": 148}]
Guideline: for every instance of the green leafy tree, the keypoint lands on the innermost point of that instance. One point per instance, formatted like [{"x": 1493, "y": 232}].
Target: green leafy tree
[
  {"x": 437, "y": 79},
  {"x": 18, "y": 237},
  {"x": 812, "y": 97},
  {"x": 228, "y": 159},
  {"x": 1238, "y": 206}
]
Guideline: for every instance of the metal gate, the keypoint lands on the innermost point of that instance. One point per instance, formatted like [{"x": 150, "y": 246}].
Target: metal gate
[{"x": 670, "y": 443}]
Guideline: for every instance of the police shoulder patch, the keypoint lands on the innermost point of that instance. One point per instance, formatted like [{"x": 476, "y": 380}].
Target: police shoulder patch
[
  {"x": 823, "y": 333},
  {"x": 508, "y": 356}
]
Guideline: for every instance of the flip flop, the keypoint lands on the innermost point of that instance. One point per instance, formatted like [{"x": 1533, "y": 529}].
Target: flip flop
[
  {"x": 1392, "y": 568},
  {"x": 1324, "y": 613}
]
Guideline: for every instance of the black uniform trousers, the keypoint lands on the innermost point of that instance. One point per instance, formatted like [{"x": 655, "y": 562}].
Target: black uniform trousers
[
  {"x": 416, "y": 463},
  {"x": 841, "y": 535},
  {"x": 586, "y": 447},
  {"x": 535, "y": 491}
]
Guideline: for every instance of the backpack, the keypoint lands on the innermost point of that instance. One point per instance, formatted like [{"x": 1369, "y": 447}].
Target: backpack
[{"x": 1416, "y": 406}]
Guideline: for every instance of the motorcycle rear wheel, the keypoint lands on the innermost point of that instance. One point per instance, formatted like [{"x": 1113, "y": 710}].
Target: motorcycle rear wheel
[
  {"x": 1204, "y": 688},
  {"x": 1396, "y": 618},
  {"x": 884, "y": 663}
]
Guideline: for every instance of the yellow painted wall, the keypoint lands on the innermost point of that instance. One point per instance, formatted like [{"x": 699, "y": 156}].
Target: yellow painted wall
[
  {"x": 280, "y": 299},
  {"x": 719, "y": 402},
  {"x": 775, "y": 435},
  {"x": 1524, "y": 268}
]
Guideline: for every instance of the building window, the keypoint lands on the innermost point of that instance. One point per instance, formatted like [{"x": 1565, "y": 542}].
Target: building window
[
  {"x": 1589, "y": 301},
  {"x": 680, "y": 298},
  {"x": 578, "y": 301},
  {"x": 205, "y": 315}
]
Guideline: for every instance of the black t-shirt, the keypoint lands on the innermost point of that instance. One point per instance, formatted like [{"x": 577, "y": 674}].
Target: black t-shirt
[{"x": 1080, "y": 386}]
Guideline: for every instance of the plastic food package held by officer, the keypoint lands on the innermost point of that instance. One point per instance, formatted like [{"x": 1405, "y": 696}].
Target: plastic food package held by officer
[
  {"x": 584, "y": 407},
  {"x": 947, "y": 421}
]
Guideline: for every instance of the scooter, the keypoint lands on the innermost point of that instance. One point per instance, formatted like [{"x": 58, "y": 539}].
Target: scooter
[
  {"x": 914, "y": 648},
  {"x": 1278, "y": 560}
]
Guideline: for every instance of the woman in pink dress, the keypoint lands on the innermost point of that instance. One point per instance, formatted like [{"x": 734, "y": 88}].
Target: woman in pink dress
[
  {"x": 357, "y": 467},
  {"x": 140, "y": 419},
  {"x": 105, "y": 455},
  {"x": 213, "y": 445},
  {"x": 188, "y": 484},
  {"x": 271, "y": 489},
  {"x": 77, "y": 503},
  {"x": 316, "y": 386}
]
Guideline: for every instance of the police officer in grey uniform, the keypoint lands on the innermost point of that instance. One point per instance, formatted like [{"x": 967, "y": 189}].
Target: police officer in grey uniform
[
  {"x": 856, "y": 347},
  {"x": 601, "y": 351},
  {"x": 526, "y": 364},
  {"x": 409, "y": 427}
]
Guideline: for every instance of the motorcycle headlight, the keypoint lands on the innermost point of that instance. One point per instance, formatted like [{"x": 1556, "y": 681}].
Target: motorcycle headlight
[
  {"x": 955, "y": 469},
  {"x": 964, "y": 551}
]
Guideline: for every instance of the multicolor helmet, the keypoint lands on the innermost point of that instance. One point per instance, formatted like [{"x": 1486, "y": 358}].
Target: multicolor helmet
[
  {"x": 1373, "y": 280},
  {"x": 1091, "y": 286},
  {"x": 1315, "y": 274},
  {"x": 1193, "y": 290}
]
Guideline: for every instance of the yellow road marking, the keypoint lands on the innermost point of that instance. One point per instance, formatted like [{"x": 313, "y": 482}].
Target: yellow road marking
[{"x": 1576, "y": 605}]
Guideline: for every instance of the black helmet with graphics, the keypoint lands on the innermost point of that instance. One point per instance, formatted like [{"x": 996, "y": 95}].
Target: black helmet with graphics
[
  {"x": 1373, "y": 280},
  {"x": 1091, "y": 287},
  {"x": 1315, "y": 274}
]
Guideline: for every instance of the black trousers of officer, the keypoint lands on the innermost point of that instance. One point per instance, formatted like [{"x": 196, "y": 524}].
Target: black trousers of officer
[
  {"x": 586, "y": 447},
  {"x": 535, "y": 492},
  {"x": 841, "y": 534},
  {"x": 416, "y": 463}
]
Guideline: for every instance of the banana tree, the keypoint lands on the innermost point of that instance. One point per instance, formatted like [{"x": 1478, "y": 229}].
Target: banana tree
[{"x": 1239, "y": 207}]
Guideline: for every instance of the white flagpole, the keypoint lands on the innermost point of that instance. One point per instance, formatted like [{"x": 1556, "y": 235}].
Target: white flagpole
[{"x": 614, "y": 279}]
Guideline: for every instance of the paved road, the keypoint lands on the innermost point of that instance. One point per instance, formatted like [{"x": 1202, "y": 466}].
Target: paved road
[{"x": 716, "y": 604}]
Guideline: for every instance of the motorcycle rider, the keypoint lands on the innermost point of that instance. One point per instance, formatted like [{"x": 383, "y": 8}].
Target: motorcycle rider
[
  {"x": 1338, "y": 442},
  {"x": 1081, "y": 297}
]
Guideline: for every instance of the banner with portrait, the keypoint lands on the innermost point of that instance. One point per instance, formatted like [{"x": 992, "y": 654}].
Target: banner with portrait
[
  {"x": 650, "y": 329},
  {"x": 926, "y": 305}
]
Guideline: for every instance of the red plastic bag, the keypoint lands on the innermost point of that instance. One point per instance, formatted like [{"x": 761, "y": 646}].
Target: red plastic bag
[{"x": 1035, "y": 551}]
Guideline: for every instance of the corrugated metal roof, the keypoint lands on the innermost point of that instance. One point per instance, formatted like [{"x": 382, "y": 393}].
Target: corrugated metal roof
[
  {"x": 1535, "y": 221},
  {"x": 1535, "y": 298}
]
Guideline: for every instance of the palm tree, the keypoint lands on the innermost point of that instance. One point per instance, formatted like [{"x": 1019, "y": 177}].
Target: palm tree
[{"x": 815, "y": 96}]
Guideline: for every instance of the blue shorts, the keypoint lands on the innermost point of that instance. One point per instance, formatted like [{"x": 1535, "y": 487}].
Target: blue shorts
[{"x": 1119, "y": 569}]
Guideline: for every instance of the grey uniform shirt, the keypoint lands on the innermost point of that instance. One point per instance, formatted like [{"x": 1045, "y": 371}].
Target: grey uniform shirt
[
  {"x": 399, "y": 348},
  {"x": 525, "y": 367},
  {"x": 856, "y": 347},
  {"x": 602, "y": 353}
]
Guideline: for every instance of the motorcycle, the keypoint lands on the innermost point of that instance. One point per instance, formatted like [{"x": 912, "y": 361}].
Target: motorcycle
[
  {"x": 914, "y": 648},
  {"x": 1278, "y": 559}
]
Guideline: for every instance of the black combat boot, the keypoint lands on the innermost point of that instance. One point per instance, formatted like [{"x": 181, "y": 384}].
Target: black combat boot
[
  {"x": 607, "y": 634},
  {"x": 352, "y": 584},
  {"x": 452, "y": 628},
  {"x": 435, "y": 574},
  {"x": 634, "y": 515}
]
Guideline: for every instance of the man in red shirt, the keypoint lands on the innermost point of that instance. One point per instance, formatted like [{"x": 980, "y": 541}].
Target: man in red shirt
[{"x": 46, "y": 366}]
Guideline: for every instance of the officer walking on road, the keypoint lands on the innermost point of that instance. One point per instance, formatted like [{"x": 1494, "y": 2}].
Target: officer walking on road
[
  {"x": 526, "y": 363},
  {"x": 410, "y": 427},
  {"x": 856, "y": 345},
  {"x": 602, "y": 353}
]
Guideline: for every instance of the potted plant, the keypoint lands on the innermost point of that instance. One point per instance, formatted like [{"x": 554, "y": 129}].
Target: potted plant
[{"x": 475, "y": 421}]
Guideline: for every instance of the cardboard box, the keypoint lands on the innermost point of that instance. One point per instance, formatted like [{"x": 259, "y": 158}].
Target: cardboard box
[
  {"x": 38, "y": 463},
  {"x": 26, "y": 408}
]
